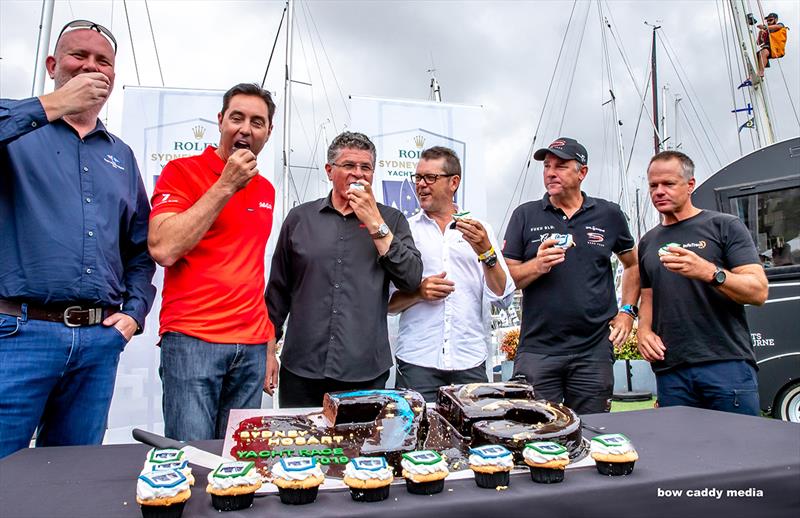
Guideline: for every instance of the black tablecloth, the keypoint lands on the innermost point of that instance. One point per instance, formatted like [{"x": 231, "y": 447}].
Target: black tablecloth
[{"x": 679, "y": 449}]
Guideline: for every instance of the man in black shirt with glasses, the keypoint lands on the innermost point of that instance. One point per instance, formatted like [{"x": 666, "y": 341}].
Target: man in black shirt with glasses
[{"x": 331, "y": 270}]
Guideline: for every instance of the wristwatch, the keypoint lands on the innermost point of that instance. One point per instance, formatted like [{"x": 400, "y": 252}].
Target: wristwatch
[
  {"x": 490, "y": 260},
  {"x": 630, "y": 309},
  {"x": 719, "y": 277},
  {"x": 382, "y": 232}
]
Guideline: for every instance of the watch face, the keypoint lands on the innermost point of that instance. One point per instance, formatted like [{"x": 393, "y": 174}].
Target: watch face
[{"x": 719, "y": 277}]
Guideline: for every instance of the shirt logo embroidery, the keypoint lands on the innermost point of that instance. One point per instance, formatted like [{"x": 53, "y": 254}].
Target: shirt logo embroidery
[
  {"x": 594, "y": 238},
  {"x": 699, "y": 245},
  {"x": 264, "y": 205},
  {"x": 113, "y": 161}
]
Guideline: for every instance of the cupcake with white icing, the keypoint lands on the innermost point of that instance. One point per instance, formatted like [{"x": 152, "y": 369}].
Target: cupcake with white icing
[
  {"x": 162, "y": 494},
  {"x": 491, "y": 464},
  {"x": 164, "y": 459},
  {"x": 232, "y": 485},
  {"x": 368, "y": 478},
  {"x": 424, "y": 471},
  {"x": 298, "y": 479},
  {"x": 546, "y": 460},
  {"x": 613, "y": 454}
]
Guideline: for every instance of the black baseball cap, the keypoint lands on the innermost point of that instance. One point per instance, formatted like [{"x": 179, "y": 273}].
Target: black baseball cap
[
  {"x": 565, "y": 148},
  {"x": 771, "y": 15}
]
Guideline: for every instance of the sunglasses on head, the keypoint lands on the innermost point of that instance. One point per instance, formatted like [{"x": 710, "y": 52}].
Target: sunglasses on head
[{"x": 87, "y": 24}]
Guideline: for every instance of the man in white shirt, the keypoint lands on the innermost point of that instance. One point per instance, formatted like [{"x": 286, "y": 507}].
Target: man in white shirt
[{"x": 444, "y": 324}]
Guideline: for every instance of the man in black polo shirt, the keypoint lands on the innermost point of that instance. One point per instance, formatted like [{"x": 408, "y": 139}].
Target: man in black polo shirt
[{"x": 570, "y": 318}]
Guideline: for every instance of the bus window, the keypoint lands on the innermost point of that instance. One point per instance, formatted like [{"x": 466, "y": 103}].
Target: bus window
[{"x": 773, "y": 218}]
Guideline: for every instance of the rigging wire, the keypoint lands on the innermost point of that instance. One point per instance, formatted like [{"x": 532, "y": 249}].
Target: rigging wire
[
  {"x": 306, "y": 60},
  {"x": 723, "y": 31},
  {"x": 274, "y": 44},
  {"x": 574, "y": 69},
  {"x": 788, "y": 92},
  {"x": 670, "y": 52},
  {"x": 330, "y": 66},
  {"x": 639, "y": 117},
  {"x": 130, "y": 35},
  {"x": 523, "y": 175},
  {"x": 745, "y": 92},
  {"x": 319, "y": 68},
  {"x": 691, "y": 130},
  {"x": 155, "y": 47}
]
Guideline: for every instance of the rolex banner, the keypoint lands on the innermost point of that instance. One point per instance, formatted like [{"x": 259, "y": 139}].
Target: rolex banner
[{"x": 402, "y": 129}]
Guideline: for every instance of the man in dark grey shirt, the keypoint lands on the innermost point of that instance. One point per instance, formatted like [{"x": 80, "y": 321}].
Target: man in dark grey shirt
[{"x": 331, "y": 271}]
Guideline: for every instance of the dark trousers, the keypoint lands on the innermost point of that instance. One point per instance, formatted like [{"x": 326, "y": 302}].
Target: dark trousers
[
  {"x": 584, "y": 382},
  {"x": 727, "y": 386},
  {"x": 427, "y": 380},
  {"x": 299, "y": 392}
]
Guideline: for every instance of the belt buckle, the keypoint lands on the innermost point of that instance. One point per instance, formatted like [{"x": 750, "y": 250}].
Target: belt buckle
[
  {"x": 95, "y": 316},
  {"x": 66, "y": 316}
]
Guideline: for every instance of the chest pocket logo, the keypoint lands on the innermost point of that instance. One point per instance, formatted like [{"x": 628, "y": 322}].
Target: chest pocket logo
[
  {"x": 595, "y": 238},
  {"x": 114, "y": 162}
]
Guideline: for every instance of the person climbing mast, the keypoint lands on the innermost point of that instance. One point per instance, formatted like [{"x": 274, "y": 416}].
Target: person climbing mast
[{"x": 771, "y": 41}]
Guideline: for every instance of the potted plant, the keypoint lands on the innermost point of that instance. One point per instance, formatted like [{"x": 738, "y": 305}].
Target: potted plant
[
  {"x": 628, "y": 359},
  {"x": 508, "y": 346}
]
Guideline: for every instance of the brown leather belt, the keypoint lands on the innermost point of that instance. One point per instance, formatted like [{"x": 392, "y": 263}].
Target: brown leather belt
[{"x": 69, "y": 315}]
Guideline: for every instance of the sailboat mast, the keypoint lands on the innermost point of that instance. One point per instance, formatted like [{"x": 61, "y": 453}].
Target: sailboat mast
[
  {"x": 654, "y": 68},
  {"x": 287, "y": 105},
  {"x": 42, "y": 46},
  {"x": 747, "y": 45}
]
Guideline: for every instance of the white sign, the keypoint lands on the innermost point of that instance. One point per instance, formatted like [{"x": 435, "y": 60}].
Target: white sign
[{"x": 402, "y": 129}]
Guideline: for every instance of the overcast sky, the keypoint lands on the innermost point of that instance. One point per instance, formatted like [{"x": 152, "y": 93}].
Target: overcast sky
[{"x": 500, "y": 55}]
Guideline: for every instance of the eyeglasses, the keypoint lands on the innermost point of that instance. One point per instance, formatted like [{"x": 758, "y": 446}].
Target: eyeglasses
[
  {"x": 429, "y": 178},
  {"x": 350, "y": 167},
  {"x": 86, "y": 24}
]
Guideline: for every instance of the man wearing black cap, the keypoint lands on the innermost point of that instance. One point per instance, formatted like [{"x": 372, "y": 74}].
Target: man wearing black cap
[
  {"x": 558, "y": 251},
  {"x": 771, "y": 41},
  {"x": 75, "y": 275}
]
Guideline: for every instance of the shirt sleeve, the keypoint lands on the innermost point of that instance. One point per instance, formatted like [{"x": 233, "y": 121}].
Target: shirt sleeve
[
  {"x": 644, "y": 277},
  {"x": 20, "y": 117},
  {"x": 624, "y": 241},
  {"x": 402, "y": 262},
  {"x": 172, "y": 194},
  {"x": 139, "y": 266},
  {"x": 513, "y": 243},
  {"x": 500, "y": 301},
  {"x": 279, "y": 287},
  {"x": 738, "y": 247}
]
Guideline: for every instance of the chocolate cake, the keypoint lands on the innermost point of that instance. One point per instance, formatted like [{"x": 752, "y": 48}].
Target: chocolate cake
[
  {"x": 508, "y": 414},
  {"x": 352, "y": 424}
]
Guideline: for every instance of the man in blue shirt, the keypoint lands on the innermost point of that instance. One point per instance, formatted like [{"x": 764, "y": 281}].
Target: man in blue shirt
[{"x": 75, "y": 276}]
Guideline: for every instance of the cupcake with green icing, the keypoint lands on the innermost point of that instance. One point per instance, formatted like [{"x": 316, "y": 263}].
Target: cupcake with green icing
[
  {"x": 613, "y": 454},
  {"x": 546, "y": 460},
  {"x": 233, "y": 485},
  {"x": 424, "y": 471}
]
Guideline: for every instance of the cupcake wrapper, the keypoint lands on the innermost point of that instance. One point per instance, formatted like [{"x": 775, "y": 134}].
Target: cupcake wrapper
[
  {"x": 298, "y": 496},
  {"x": 163, "y": 511},
  {"x": 232, "y": 502},
  {"x": 370, "y": 495},
  {"x": 615, "y": 469},
  {"x": 424, "y": 488},
  {"x": 547, "y": 475},
  {"x": 492, "y": 480}
]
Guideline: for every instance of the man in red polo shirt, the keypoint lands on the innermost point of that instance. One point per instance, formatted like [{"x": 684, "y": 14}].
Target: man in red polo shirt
[{"x": 211, "y": 218}]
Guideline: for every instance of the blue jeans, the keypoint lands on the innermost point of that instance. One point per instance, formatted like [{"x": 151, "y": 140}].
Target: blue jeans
[
  {"x": 58, "y": 378},
  {"x": 727, "y": 386},
  {"x": 203, "y": 381}
]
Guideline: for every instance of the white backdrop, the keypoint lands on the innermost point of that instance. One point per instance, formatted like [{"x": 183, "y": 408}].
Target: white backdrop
[{"x": 402, "y": 129}]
